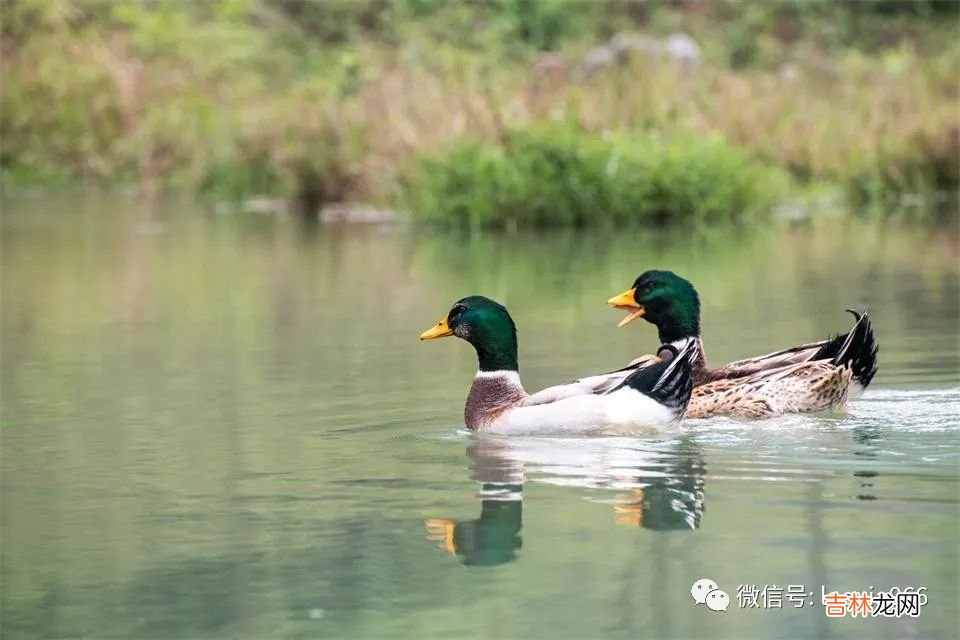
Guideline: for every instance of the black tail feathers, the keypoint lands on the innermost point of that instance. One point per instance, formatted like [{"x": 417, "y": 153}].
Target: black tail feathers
[
  {"x": 669, "y": 382},
  {"x": 856, "y": 349}
]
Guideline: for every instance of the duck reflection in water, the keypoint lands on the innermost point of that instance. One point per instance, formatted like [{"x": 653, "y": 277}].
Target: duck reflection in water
[
  {"x": 867, "y": 438},
  {"x": 494, "y": 537},
  {"x": 670, "y": 500},
  {"x": 665, "y": 479}
]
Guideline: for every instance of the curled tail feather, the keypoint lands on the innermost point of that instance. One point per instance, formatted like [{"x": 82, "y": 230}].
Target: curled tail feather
[
  {"x": 856, "y": 350},
  {"x": 861, "y": 353}
]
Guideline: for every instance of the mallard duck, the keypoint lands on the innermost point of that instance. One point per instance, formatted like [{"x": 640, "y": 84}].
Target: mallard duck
[
  {"x": 652, "y": 396},
  {"x": 809, "y": 377}
]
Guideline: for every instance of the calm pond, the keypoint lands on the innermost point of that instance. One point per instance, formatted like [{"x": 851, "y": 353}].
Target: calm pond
[{"x": 224, "y": 426}]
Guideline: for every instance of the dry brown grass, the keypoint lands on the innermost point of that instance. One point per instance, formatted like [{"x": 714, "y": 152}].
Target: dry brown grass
[{"x": 233, "y": 122}]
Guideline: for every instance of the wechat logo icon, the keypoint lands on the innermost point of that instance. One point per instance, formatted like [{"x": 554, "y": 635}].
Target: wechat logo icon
[{"x": 706, "y": 591}]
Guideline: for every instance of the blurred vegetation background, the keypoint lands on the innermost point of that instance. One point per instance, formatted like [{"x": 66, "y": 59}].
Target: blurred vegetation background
[{"x": 494, "y": 113}]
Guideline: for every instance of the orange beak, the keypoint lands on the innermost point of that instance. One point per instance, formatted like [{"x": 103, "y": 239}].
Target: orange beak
[
  {"x": 628, "y": 302},
  {"x": 441, "y": 330},
  {"x": 441, "y": 530}
]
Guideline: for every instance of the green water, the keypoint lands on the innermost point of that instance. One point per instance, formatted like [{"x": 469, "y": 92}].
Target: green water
[{"x": 225, "y": 427}]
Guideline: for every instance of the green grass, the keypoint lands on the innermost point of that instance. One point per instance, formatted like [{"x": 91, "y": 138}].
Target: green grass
[
  {"x": 559, "y": 176},
  {"x": 326, "y": 101}
]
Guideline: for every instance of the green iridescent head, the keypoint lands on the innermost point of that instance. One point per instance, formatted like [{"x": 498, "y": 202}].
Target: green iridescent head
[
  {"x": 487, "y": 326},
  {"x": 664, "y": 299}
]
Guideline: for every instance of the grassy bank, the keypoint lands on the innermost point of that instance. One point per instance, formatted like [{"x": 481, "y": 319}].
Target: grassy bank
[
  {"x": 321, "y": 102},
  {"x": 559, "y": 176}
]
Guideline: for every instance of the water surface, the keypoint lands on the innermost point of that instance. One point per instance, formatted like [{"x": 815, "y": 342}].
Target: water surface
[{"x": 225, "y": 427}]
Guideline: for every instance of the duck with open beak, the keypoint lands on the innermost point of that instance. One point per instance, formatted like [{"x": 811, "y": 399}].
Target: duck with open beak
[
  {"x": 808, "y": 377},
  {"x": 628, "y": 302}
]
